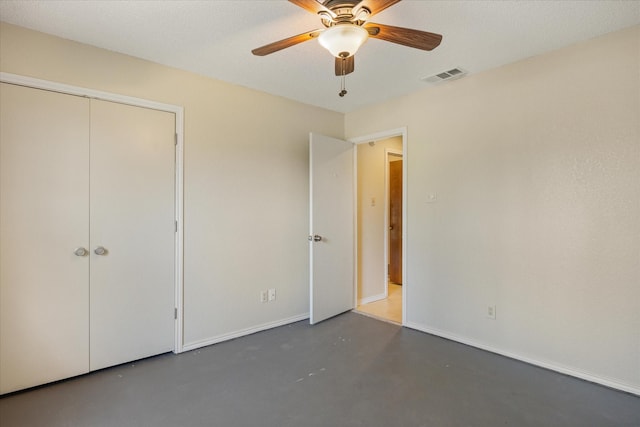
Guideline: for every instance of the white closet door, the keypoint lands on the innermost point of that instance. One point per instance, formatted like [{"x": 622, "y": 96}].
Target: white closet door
[
  {"x": 132, "y": 218},
  {"x": 44, "y": 195}
]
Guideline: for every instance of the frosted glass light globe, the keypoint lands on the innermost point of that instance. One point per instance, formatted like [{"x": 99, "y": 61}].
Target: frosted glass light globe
[{"x": 343, "y": 40}]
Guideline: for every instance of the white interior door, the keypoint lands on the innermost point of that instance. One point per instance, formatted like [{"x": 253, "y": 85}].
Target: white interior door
[
  {"x": 132, "y": 218},
  {"x": 331, "y": 245},
  {"x": 44, "y": 194}
]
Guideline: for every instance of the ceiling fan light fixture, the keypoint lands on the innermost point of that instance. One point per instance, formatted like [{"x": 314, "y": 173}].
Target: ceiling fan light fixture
[{"x": 343, "y": 40}]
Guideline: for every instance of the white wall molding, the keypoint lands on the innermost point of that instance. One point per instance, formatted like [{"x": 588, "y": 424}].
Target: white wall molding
[
  {"x": 244, "y": 332},
  {"x": 598, "y": 379},
  {"x": 86, "y": 92},
  {"x": 377, "y": 136}
]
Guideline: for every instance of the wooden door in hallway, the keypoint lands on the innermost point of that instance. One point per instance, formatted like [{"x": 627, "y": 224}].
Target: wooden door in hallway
[{"x": 395, "y": 221}]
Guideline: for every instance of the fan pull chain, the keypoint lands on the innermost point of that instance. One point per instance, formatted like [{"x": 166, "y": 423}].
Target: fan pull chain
[{"x": 343, "y": 92}]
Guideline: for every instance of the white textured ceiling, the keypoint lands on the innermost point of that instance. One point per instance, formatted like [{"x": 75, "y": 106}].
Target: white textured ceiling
[{"x": 215, "y": 38}]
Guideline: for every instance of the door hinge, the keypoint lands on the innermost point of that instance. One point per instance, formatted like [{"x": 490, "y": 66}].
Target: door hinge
[
  {"x": 176, "y": 228},
  {"x": 175, "y": 139},
  {"x": 175, "y": 313}
]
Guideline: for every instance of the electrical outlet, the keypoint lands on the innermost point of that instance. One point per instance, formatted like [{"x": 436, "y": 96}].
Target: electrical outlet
[
  {"x": 263, "y": 296},
  {"x": 272, "y": 294},
  {"x": 491, "y": 312}
]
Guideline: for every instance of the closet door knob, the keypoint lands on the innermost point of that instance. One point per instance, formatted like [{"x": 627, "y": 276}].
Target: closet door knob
[
  {"x": 100, "y": 251},
  {"x": 80, "y": 252}
]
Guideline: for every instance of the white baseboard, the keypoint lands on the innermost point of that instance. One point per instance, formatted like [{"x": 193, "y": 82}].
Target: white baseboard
[
  {"x": 372, "y": 298},
  {"x": 243, "y": 332},
  {"x": 608, "y": 382}
]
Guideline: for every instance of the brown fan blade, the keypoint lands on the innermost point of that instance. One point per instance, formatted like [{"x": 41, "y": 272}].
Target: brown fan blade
[
  {"x": 377, "y": 6},
  {"x": 311, "y": 6},
  {"x": 288, "y": 42},
  {"x": 404, "y": 36},
  {"x": 348, "y": 64}
]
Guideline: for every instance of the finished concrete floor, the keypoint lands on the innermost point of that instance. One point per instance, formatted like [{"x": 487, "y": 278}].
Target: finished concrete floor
[{"x": 351, "y": 370}]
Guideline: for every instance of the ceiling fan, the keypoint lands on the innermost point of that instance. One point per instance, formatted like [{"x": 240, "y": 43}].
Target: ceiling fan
[{"x": 347, "y": 27}]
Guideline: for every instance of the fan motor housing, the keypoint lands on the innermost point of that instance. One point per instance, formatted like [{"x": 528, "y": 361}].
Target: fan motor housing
[
  {"x": 335, "y": 4},
  {"x": 343, "y": 12}
]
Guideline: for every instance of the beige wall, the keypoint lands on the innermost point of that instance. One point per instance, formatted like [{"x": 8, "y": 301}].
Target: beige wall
[
  {"x": 537, "y": 170},
  {"x": 246, "y": 178},
  {"x": 371, "y": 185}
]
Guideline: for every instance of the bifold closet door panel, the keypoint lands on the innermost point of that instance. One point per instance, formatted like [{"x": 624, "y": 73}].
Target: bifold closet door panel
[
  {"x": 132, "y": 219},
  {"x": 44, "y": 199}
]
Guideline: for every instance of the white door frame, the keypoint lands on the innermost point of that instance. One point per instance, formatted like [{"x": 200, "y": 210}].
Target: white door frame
[
  {"x": 402, "y": 132},
  {"x": 179, "y": 183}
]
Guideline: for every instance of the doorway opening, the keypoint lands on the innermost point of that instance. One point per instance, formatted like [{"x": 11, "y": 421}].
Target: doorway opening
[{"x": 379, "y": 228}]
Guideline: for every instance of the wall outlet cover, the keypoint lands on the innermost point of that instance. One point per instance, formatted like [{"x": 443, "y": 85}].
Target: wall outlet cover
[{"x": 491, "y": 312}]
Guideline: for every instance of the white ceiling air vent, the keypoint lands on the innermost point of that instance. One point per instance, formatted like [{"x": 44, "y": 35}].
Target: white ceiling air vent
[{"x": 452, "y": 74}]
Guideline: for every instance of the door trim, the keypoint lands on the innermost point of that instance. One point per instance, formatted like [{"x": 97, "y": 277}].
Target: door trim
[
  {"x": 402, "y": 132},
  {"x": 179, "y": 178}
]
